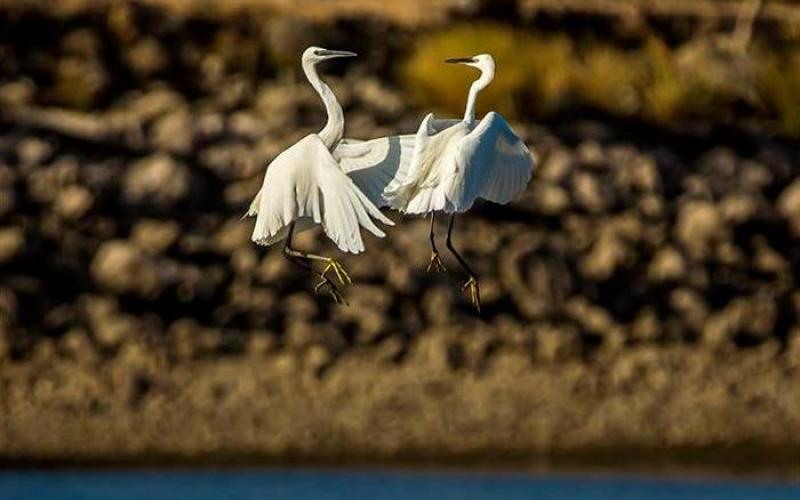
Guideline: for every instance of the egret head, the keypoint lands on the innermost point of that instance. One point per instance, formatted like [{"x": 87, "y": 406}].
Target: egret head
[
  {"x": 484, "y": 62},
  {"x": 314, "y": 55}
]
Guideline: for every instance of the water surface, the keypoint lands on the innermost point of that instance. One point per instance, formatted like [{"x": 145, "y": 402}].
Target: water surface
[{"x": 378, "y": 485}]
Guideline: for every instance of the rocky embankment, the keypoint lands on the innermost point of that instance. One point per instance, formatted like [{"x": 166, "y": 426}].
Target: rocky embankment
[{"x": 640, "y": 298}]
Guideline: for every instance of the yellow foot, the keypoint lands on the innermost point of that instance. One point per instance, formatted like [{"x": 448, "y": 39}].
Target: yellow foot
[
  {"x": 474, "y": 292},
  {"x": 344, "y": 278},
  {"x": 333, "y": 290},
  {"x": 436, "y": 264}
]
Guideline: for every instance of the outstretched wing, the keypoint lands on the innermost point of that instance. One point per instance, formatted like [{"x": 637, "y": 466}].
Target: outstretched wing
[
  {"x": 304, "y": 183},
  {"x": 496, "y": 163},
  {"x": 372, "y": 165},
  {"x": 423, "y": 174}
]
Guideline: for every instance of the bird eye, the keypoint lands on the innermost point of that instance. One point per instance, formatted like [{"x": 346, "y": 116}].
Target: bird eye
[{"x": 317, "y": 52}]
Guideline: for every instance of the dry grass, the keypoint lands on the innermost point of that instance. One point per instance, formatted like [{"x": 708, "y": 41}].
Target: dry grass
[
  {"x": 608, "y": 79},
  {"x": 520, "y": 59},
  {"x": 538, "y": 75},
  {"x": 780, "y": 86}
]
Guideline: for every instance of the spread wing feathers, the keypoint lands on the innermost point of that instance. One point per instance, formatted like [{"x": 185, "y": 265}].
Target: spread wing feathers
[
  {"x": 305, "y": 184},
  {"x": 253, "y": 209},
  {"x": 373, "y": 165},
  {"x": 416, "y": 185},
  {"x": 497, "y": 165}
]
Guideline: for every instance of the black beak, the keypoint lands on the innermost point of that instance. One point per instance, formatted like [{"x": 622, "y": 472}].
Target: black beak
[
  {"x": 459, "y": 60},
  {"x": 337, "y": 53}
]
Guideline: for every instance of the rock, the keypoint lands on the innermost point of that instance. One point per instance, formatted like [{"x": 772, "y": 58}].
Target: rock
[
  {"x": 230, "y": 161},
  {"x": 556, "y": 165},
  {"x": 651, "y": 206},
  {"x": 32, "y": 151},
  {"x": 607, "y": 253},
  {"x": 158, "y": 180},
  {"x": 279, "y": 105},
  {"x": 123, "y": 267},
  {"x": 12, "y": 243},
  {"x": 589, "y": 194},
  {"x": 244, "y": 261},
  {"x": 146, "y": 57},
  {"x": 690, "y": 307},
  {"x": 246, "y": 125},
  {"x": 73, "y": 202},
  {"x": 155, "y": 236},
  {"x": 699, "y": 224},
  {"x": 208, "y": 126},
  {"x": 633, "y": 170},
  {"x": 153, "y": 103},
  {"x": 82, "y": 42},
  {"x": 666, "y": 265},
  {"x": 173, "y": 132},
  {"x": 234, "y": 234},
  {"x": 300, "y": 305},
  {"x": 737, "y": 208},
  {"x": 590, "y": 154},
  {"x": 767, "y": 260},
  {"x": 17, "y": 93},
  {"x": 550, "y": 199},
  {"x": 789, "y": 206}
]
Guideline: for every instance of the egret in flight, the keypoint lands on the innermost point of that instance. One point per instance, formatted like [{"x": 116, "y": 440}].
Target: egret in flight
[
  {"x": 323, "y": 180},
  {"x": 456, "y": 162}
]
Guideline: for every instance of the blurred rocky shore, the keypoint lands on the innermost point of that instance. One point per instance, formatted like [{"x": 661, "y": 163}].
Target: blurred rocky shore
[{"x": 641, "y": 299}]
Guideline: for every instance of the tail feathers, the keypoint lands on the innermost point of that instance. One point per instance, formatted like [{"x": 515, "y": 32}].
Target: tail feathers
[{"x": 426, "y": 200}]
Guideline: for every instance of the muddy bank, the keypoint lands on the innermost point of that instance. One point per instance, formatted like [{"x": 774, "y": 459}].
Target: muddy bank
[{"x": 646, "y": 408}]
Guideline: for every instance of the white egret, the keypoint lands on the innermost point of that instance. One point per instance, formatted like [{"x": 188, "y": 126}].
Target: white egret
[
  {"x": 456, "y": 162},
  {"x": 310, "y": 183}
]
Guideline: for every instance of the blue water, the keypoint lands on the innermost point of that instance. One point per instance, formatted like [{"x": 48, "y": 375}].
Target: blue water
[{"x": 310, "y": 485}]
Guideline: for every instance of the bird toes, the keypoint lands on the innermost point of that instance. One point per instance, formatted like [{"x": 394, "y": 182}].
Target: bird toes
[
  {"x": 333, "y": 290},
  {"x": 474, "y": 292},
  {"x": 436, "y": 264}
]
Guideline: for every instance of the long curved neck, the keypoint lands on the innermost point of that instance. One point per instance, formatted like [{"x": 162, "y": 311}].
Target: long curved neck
[
  {"x": 334, "y": 128},
  {"x": 486, "y": 77}
]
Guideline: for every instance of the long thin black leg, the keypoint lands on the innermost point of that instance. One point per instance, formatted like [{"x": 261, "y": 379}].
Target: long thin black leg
[
  {"x": 304, "y": 260},
  {"x": 472, "y": 282},
  {"x": 436, "y": 263},
  {"x": 292, "y": 254}
]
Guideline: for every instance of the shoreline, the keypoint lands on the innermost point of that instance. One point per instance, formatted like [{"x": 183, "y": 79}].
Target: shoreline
[
  {"x": 667, "y": 467},
  {"x": 517, "y": 415}
]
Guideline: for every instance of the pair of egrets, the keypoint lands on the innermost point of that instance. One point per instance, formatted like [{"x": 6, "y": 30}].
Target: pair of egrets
[{"x": 340, "y": 183}]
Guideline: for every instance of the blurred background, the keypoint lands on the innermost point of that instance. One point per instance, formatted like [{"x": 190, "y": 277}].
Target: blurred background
[{"x": 641, "y": 298}]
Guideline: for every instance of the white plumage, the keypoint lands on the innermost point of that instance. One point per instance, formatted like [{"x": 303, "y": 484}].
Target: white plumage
[
  {"x": 325, "y": 180},
  {"x": 305, "y": 184},
  {"x": 373, "y": 165},
  {"x": 456, "y": 162}
]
